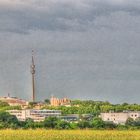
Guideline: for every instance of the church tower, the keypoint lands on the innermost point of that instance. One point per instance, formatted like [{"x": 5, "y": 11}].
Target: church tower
[{"x": 33, "y": 77}]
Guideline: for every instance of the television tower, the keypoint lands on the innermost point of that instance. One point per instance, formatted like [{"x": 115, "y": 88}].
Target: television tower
[{"x": 33, "y": 77}]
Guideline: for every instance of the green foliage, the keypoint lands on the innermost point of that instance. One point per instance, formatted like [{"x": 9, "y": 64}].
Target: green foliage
[
  {"x": 2, "y": 109},
  {"x": 8, "y": 121},
  {"x": 129, "y": 122},
  {"x": 6, "y": 117},
  {"x": 29, "y": 123},
  {"x": 50, "y": 122},
  {"x": 133, "y": 123},
  {"x": 122, "y": 127},
  {"x": 109, "y": 125},
  {"x": 3, "y": 104},
  {"x": 93, "y": 107},
  {"x": 84, "y": 124},
  {"x": 98, "y": 123},
  {"x": 62, "y": 125},
  {"x": 47, "y": 101},
  {"x": 32, "y": 104},
  {"x": 38, "y": 125},
  {"x": 73, "y": 125}
]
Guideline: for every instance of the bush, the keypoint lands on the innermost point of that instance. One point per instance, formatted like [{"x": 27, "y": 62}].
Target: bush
[
  {"x": 73, "y": 125},
  {"x": 84, "y": 124},
  {"x": 98, "y": 123},
  {"x": 122, "y": 127},
  {"x": 109, "y": 125},
  {"x": 129, "y": 122},
  {"x": 29, "y": 123},
  {"x": 50, "y": 122},
  {"x": 62, "y": 125}
]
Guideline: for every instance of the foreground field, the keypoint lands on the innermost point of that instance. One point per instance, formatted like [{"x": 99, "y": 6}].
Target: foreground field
[{"x": 68, "y": 135}]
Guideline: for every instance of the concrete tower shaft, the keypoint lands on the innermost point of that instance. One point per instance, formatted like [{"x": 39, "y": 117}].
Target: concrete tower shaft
[{"x": 33, "y": 77}]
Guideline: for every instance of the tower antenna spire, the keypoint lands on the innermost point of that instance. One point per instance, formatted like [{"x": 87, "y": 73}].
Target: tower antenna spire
[
  {"x": 33, "y": 57},
  {"x": 33, "y": 77}
]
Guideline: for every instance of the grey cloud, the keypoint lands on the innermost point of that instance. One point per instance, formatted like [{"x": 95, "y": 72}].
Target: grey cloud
[{"x": 59, "y": 15}]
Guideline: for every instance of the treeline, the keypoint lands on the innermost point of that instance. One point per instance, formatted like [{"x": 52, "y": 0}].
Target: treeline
[
  {"x": 78, "y": 107},
  {"x": 10, "y": 121},
  {"x": 94, "y": 107}
]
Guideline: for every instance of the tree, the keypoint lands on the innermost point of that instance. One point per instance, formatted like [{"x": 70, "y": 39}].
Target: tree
[
  {"x": 137, "y": 122},
  {"x": 98, "y": 123},
  {"x": 38, "y": 124},
  {"x": 6, "y": 117},
  {"x": 73, "y": 125},
  {"x": 109, "y": 125},
  {"x": 84, "y": 124},
  {"x": 62, "y": 125},
  {"x": 29, "y": 123},
  {"x": 121, "y": 127},
  {"x": 129, "y": 122},
  {"x": 3, "y": 104},
  {"x": 47, "y": 101},
  {"x": 8, "y": 121},
  {"x": 50, "y": 122},
  {"x": 32, "y": 104}
]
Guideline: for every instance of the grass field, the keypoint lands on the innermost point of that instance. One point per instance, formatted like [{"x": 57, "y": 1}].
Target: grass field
[{"x": 68, "y": 135}]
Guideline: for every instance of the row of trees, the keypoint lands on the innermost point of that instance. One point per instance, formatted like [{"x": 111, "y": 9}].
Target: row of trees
[
  {"x": 93, "y": 107},
  {"x": 10, "y": 121}
]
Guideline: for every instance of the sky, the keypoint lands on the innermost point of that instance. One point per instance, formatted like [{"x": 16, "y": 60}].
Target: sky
[{"x": 84, "y": 49}]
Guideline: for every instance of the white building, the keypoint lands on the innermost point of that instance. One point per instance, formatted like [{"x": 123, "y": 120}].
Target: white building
[
  {"x": 36, "y": 115},
  {"x": 119, "y": 118}
]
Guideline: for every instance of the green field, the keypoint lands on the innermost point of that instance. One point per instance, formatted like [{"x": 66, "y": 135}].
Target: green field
[{"x": 68, "y": 135}]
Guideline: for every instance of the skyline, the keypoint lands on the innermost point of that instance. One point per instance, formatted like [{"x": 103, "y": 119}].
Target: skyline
[{"x": 84, "y": 49}]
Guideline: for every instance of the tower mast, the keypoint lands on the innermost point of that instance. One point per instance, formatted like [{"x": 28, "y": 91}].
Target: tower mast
[{"x": 33, "y": 77}]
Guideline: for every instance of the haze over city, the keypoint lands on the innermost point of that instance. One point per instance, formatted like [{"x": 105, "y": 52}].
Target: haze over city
[{"x": 84, "y": 49}]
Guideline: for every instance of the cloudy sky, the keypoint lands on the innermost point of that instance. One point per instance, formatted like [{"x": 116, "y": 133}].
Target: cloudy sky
[{"x": 84, "y": 49}]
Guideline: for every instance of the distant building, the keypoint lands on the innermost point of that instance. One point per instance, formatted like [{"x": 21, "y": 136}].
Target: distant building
[
  {"x": 70, "y": 118},
  {"x": 76, "y": 117},
  {"x": 36, "y": 115},
  {"x": 13, "y": 101},
  {"x": 119, "y": 118},
  {"x": 60, "y": 102}
]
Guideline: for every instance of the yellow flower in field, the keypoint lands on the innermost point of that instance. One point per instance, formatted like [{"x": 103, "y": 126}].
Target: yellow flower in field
[{"x": 41, "y": 134}]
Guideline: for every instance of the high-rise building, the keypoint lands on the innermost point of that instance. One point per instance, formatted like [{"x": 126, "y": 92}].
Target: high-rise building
[{"x": 33, "y": 77}]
